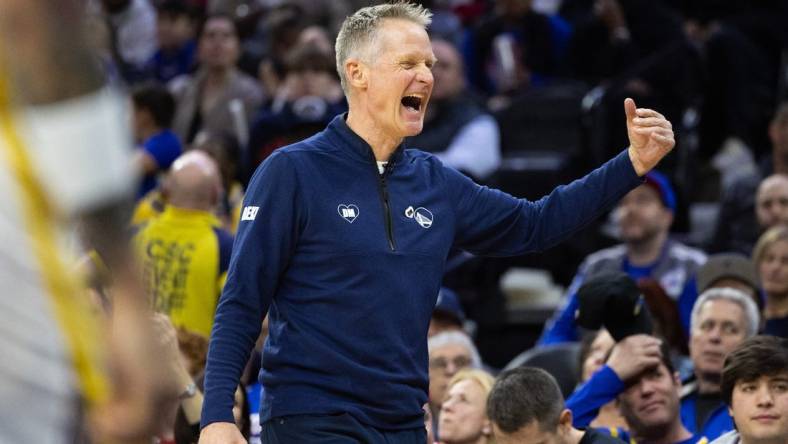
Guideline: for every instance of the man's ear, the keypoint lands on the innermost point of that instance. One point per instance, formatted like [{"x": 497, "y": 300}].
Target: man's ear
[
  {"x": 671, "y": 217},
  {"x": 668, "y": 217},
  {"x": 487, "y": 429},
  {"x": 565, "y": 423},
  {"x": 565, "y": 419},
  {"x": 677, "y": 379},
  {"x": 356, "y": 73}
]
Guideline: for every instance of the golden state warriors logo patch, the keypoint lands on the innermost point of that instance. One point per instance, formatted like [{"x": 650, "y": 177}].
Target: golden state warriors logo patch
[{"x": 421, "y": 215}]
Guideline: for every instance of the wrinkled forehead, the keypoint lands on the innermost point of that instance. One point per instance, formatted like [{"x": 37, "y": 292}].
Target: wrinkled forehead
[
  {"x": 469, "y": 388},
  {"x": 402, "y": 37},
  {"x": 773, "y": 187},
  {"x": 721, "y": 310},
  {"x": 454, "y": 350},
  {"x": 661, "y": 374}
]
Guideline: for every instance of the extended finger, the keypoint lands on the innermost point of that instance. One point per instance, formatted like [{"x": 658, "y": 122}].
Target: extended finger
[
  {"x": 665, "y": 132},
  {"x": 643, "y": 338},
  {"x": 650, "y": 362},
  {"x": 665, "y": 138},
  {"x": 650, "y": 344},
  {"x": 630, "y": 109},
  {"x": 652, "y": 348},
  {"x": 664, "y": 135},
  {"x": 652, "y": 122},
  {"x": 647, "y": 112}
]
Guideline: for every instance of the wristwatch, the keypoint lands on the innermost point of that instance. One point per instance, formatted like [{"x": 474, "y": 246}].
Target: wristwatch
[{"x": 189, "y": 392}]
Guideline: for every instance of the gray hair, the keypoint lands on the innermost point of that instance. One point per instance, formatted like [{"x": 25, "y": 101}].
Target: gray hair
[
  {"x": 455, "y": 337},
  {"x": 733, "y": 295},
  {"x": 359, "y": 30}
]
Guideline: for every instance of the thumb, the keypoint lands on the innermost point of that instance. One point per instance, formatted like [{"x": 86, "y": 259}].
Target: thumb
[{"x": 629, "y": 109}]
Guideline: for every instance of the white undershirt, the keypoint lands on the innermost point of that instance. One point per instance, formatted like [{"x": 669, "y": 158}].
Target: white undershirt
[{"x": 381, "y": 166}]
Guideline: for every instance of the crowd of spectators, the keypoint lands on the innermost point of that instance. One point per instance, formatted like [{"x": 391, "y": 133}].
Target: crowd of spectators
[{"x": 216, "y": 86}]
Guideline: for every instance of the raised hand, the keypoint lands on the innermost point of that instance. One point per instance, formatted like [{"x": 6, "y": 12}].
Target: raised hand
[
  {"x": 634, "y": 355},
  {"x": 650, "y": 137}
]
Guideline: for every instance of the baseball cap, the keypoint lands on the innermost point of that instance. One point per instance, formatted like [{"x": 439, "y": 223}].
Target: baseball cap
[
  {"x": 613, "y": 300},
  {"x": 727, "y": 265},
  {"x": 449, "y": 304},
  {"x": 661, "y": 184}
]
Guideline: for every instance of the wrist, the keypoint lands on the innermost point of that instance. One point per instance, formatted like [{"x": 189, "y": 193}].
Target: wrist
[
  {"x": 618, "y": 369},
  {"x": 640, "y": 170}
]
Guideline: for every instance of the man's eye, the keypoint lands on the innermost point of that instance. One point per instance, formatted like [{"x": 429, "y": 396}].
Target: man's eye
[{"x": 707, "y": 326}]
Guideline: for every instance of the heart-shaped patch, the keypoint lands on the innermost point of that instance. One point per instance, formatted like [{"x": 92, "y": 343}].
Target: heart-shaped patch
[{"x": 348, "y": 212}]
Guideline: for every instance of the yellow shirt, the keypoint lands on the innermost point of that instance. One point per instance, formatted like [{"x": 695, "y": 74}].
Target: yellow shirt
[{"x": 185, "y": 258}]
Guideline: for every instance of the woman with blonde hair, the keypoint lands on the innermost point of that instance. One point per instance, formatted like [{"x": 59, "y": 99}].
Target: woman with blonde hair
[
  {"x": 771, "y": 261},
  {"x": 463, "y": 417}
]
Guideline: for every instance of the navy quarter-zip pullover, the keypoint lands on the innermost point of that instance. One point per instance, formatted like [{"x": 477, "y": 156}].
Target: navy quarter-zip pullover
[{"x": 348, "y": 262}]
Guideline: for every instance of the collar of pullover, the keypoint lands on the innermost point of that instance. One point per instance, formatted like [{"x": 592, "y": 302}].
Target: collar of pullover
[{"x": 351, "y": 143}]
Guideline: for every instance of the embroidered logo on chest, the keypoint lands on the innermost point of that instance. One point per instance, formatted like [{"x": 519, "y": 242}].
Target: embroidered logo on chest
[
  {"x": 421, "y": 215},
  {"x": 348, "y": 212}
]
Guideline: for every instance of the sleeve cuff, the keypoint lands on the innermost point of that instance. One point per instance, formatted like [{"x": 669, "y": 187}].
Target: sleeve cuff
[
  {"x": 624, "y": 166},
  {"x": 608, "y": 378},
  {"x": 212, "y": 415}
]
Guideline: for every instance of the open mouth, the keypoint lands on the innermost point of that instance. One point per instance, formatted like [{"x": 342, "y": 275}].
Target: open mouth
[{"x": 412, "y": 102}]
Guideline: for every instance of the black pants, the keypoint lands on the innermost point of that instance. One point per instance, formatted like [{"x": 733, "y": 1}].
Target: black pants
[{"x": 334, "y": 429}]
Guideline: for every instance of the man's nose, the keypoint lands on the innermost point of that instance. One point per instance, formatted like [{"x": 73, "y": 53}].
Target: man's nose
[
  {"x": 424, "y": 75},
  {"x": 646, "y": 388},
  {"x": 764, "y": 396},
  {"x": 715, "y": 334}
]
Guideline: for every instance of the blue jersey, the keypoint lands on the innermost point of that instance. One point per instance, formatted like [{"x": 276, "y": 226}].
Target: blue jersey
[
  {"x": 348, "y": 262},
  {"x": 603, "y": 387},
  {"x": 717, "y": 423}
]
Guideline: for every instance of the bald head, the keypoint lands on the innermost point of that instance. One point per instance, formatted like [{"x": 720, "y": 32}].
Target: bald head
[
  {"x": 771, "y": 201},
  {"x": 194, "y": 182}
]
